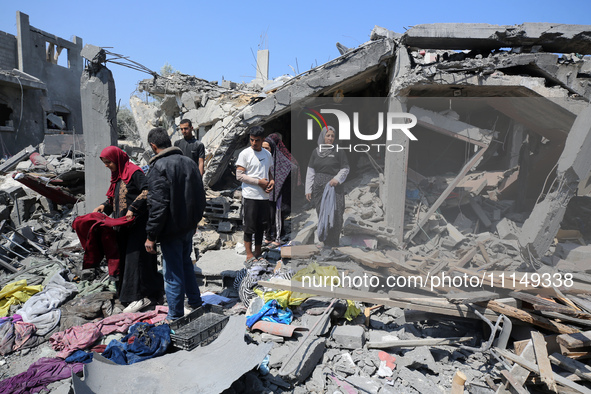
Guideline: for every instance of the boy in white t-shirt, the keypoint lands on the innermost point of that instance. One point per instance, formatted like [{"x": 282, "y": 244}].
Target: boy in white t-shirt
[{"x": 253, "y": 169}]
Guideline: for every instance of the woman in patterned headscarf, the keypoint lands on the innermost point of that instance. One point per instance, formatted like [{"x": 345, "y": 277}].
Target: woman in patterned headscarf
[
  {"x": 139, "y": 284},
  {"x": 284, "y": 165}
]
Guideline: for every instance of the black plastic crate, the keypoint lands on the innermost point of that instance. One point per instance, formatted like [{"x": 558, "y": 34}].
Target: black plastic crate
[{"x": 199, "y": 327}]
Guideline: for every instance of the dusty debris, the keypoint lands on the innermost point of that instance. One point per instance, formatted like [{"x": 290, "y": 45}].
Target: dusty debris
[{"x": 495, "y": 199}]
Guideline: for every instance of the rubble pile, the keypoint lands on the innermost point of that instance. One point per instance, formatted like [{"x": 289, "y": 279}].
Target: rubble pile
[{"x": 462, "y": 265}]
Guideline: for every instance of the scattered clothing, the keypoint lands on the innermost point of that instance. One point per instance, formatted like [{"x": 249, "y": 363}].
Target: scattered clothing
[
  {"x": 39, "y": 375},
  {"x": 144, "y": 341},
  {"x": 99, "y": 239},
  {"x": 80, "y": 356},
  {"x": 42, "y": 308},
  {"x": 271, "y": 312},
  {"x": 16, "y": 293},
  {"x": 84, "y": 309},
  {"x": 327, "y": 211},
  {"x": 82, "y": 337}
]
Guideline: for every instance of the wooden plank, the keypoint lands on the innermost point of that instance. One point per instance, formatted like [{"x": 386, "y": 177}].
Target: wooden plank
[
  {"x": 574, "y": 366},
  {"x": 371, "y": 259},
  {"x": 299, "y": 251},
  {"x": 418, "y": 342},
  {"x": 575, "y": 340},
  {"x": 541, "y": 353},
  {"x": 567, "y": 319},
  {"x": 530, "y": 318},
  {"x": 484, "y": 253},
  {"x": 551, "y": 344},
  {"x": 510, "y": 379},
  {"x": 542, "y": 304},
  {"x": 471, "y": 296},
  {"x": 467, "y": 257},
  {"x": 584, "y": 304},
  {"x": 394, "y": 299},
  {"x": 534, "y": 368}
]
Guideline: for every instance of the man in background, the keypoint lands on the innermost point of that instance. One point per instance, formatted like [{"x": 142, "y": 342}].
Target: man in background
[{"x": 190, "y": 145}]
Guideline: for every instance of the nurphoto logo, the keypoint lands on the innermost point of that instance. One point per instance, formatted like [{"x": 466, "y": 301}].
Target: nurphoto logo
[{"x": 396, "y": 122}]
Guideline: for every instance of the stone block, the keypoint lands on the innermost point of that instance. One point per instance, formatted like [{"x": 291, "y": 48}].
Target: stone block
[
  {"x": 507, "y": 229},
  {"x": 349, "y": 337}
]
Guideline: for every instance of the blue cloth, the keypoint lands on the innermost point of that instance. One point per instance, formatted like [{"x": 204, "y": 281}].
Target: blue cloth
[
  {"x": 327, "y": 212},
  {"x": 144, "y": 341},
  {"x": 79, "y": 356},
  {"x": 271, "y": 312},
  {"x": 179, "y": 274}
]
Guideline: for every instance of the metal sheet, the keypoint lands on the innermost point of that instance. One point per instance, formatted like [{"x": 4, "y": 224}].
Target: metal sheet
[{"x": 208, "y": 369}]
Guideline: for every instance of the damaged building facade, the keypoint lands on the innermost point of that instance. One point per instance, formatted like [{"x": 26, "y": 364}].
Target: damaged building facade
[
  {"x": 39, "y": 86},
  {"x": 500, "y": 99}
]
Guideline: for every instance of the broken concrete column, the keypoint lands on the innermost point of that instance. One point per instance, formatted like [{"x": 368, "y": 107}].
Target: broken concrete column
[
  {"x": 395, "y": 178},
  {"x": 574, "y": 164},
  {"x": 99, "y": 120},
  {"x": 303, "y": 362}
]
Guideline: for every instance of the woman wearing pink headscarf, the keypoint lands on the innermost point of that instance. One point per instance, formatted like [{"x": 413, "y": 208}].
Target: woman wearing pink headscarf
[{"x": 139, "y": 284}]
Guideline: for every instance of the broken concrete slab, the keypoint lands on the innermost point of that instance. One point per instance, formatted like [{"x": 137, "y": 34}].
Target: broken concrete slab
[
  {"x": 11, "y": 163},
  {"x": 199, "y": 370},
  {"x": 557, "y": 38},
  {"x": 225, "y": 262}
]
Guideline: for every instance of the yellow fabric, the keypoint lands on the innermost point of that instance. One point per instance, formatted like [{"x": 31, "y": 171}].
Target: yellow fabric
[
  {"x": 352, "y": 311},
  {"x": 16, "y": 293},
  {"x": 319, "y": 276}
]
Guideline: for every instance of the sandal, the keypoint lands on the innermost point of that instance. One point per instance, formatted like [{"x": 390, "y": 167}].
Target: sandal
[{"x": 250, "y": 261}]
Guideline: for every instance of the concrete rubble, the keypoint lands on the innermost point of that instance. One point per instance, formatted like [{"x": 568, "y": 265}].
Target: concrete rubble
[{"x": 496, "y": 190}]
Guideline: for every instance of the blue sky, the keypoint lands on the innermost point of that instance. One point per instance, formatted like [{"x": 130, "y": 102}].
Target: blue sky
[{"x": 215, "y": 39}]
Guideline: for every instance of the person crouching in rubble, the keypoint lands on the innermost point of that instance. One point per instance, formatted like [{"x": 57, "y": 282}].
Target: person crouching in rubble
[
  {"x": 176, "y": 201},
  {"x": 327, "y": 168},
  {"x": 139, "y": 284},
  {"x": 253, "y": 169}
]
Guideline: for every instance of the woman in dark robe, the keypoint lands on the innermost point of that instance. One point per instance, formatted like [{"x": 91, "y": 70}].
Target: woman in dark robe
[
  {"x": 327, "y": 168},
  {"x": 139, "y": 284}
]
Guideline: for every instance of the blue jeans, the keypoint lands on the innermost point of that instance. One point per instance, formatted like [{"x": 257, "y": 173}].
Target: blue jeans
[{"x": 179, "y": 275}]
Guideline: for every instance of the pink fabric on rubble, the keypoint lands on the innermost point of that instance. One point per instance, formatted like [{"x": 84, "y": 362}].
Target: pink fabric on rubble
[{"x": 82, "y": 337}]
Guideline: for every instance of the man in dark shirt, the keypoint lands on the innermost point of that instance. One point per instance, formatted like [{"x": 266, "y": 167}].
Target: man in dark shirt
[{"x": 190, "y": 145}]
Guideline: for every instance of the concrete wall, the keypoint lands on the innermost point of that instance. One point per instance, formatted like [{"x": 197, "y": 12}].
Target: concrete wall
[
  {"x": 26, "y": 130},
  {"x": 8, "y": 59},
  {"x": 63, "y": 83}
]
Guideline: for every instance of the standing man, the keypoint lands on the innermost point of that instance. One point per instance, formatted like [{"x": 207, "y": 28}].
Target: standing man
[
  {"x": 190, "y": 145},
  {"x": 176, "y": 201},
  {"x": 253, "y": 170}
]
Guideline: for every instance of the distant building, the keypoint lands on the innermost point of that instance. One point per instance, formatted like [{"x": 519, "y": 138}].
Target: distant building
[{"x": 39, "y": 86}]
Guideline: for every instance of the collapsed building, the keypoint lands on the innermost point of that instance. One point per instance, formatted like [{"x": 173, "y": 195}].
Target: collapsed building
[
  {"x": 496, "y": 183},
  {"x": 39, "y": 87}
]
